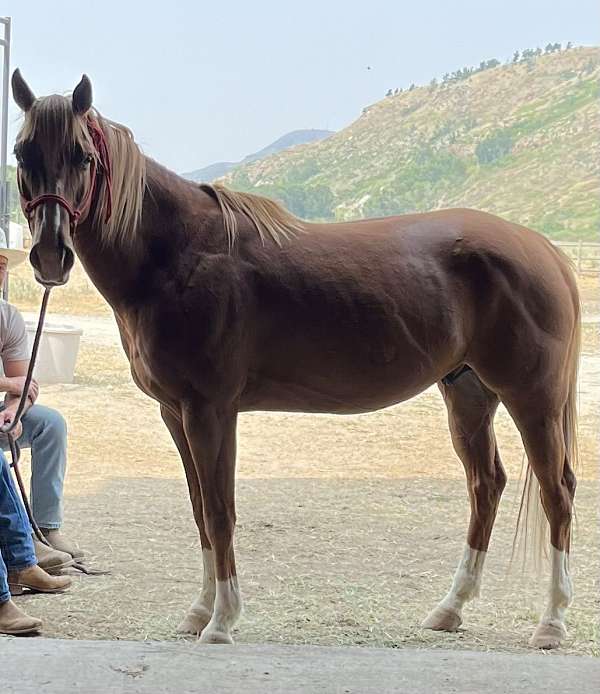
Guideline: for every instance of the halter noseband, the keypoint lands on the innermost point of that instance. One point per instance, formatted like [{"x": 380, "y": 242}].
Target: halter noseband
[{"x": 75, "y": 213}]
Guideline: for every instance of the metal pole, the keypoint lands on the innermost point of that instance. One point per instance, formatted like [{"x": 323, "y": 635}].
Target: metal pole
[
  {"x": 4, "y": 212},
  {"x": 4, "y": 134}
]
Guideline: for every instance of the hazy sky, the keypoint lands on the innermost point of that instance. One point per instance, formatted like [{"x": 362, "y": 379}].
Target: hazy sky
[{"x": 200, "y": 82}]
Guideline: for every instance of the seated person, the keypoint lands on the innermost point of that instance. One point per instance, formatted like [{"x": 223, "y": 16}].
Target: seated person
[
  {"x": 18, "y": 568},
  {"x": 44, "y": 431}
]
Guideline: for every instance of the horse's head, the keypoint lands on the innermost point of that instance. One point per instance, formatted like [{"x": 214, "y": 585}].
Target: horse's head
[{"x": 57, "y": 160}]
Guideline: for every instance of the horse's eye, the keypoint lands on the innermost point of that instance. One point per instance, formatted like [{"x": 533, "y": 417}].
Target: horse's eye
[
  {"x": 28, "y": 156},
  {"x": 80, "y": 158}
]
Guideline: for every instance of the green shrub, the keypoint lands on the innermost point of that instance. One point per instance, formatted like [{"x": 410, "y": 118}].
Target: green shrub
[{"x": 494, "y": 148}]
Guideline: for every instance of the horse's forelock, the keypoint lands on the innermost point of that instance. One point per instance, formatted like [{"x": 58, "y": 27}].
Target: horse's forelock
[{"x": 53, "y": 125}]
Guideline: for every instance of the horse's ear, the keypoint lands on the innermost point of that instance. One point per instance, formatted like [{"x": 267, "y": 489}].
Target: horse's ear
[
  {"x": 22, "y": 94},
  {"x": 82, "y": 96}
]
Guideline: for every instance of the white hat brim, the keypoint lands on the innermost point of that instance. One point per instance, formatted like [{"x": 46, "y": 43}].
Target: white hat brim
[{"x": 15, "y": 256}]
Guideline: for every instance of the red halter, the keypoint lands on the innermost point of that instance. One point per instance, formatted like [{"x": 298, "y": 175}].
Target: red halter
[{"x": 75, "y": 213}]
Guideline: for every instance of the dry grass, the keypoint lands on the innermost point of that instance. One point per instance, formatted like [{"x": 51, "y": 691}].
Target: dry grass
[{"x": 349, "y": 527}]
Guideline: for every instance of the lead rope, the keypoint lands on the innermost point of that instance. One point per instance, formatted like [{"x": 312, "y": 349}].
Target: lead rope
[{"x": 15, "y": 450}]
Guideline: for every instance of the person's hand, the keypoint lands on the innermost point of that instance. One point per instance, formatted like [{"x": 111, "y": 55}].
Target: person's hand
[
  {"x": 7, "y": 416},
  {"x": 15, "y": 384}
]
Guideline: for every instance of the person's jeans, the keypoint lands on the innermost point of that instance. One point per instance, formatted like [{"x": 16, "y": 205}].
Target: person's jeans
[
  {"x": 16, "y": 545},
  {"x": 45, "y": 432}
]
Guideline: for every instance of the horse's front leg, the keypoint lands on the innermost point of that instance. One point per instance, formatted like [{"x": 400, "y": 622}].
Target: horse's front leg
[
  {"x": 210, "y": 432},
  {"x": 200, "y": 611}
]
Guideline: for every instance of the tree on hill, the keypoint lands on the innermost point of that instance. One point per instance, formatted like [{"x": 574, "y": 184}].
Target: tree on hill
[{"x": 494, "y": 147}]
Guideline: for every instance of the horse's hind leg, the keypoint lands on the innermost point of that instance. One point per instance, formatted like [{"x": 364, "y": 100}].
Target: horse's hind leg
[
  {"x": 471, "y": 408},
  {"x": 542, "y": 428},
  {"x": 200, "y": 611}
]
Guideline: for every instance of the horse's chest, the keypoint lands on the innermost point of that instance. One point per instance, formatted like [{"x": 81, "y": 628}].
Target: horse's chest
[{"x": 145, "y": 373}]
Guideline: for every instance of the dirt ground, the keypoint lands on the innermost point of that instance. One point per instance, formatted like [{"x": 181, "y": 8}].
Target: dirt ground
[{"x": 349, "y": 528}]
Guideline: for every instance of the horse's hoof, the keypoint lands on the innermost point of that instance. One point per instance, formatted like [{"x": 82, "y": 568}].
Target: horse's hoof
[
  {"x": 215, "y": 636},
  {"x": 548, "y": 635},
  {"x": 442, "y": 619},
  {"x": 194, "y": 622}
]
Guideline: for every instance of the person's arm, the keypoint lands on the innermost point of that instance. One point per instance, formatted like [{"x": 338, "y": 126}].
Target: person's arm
[
  {"x": 15, "y": 360},
  {"x": 14, "y": 379},
  {"x": 15, "y": 375}
]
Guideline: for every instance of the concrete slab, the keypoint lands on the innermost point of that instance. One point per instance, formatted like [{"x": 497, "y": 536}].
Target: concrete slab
[{"x": 103, "y": 667}]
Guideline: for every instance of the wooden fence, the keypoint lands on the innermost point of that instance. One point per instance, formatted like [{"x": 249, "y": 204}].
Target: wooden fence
[{"x": 585, "y": 255}]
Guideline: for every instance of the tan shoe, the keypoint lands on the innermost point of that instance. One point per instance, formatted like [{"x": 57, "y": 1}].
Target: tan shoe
[
  {"x": 14, "y": 621},
  {"x": 36, "y": 579},
  {"x": 62, "y": 543},
  {"x": 51, "y": 560}
]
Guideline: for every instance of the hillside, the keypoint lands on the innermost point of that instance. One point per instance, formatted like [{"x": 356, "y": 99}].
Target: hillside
[
  {"x": 519, "y": 140},
  {"x": 291, "y": 139}
]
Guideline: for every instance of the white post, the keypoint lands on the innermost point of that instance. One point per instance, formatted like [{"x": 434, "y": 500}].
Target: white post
[{"x": 4, "y": 212}]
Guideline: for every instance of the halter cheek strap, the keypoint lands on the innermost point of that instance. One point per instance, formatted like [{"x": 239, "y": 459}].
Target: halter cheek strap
[{"x": 76, "y": 213}]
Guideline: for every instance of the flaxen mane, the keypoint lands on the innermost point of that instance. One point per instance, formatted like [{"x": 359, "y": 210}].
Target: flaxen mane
[{"x": 269, "y": 217}]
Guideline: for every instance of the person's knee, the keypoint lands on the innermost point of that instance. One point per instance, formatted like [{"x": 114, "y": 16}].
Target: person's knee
[
  {"x": 50, "y": 420},
  {"x": 56, "y": 422}
]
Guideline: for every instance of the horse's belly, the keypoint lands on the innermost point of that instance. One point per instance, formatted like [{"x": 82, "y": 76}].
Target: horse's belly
[{"x": 363, "y": 390}]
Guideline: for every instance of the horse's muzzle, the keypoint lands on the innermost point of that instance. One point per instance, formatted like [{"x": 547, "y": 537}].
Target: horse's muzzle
[{"x": 52, "y": 254}]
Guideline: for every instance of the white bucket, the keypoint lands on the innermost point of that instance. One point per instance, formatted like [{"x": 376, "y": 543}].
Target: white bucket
[
  {"x": 16, "y": 235},
  {"x": 57, "y": 354}
]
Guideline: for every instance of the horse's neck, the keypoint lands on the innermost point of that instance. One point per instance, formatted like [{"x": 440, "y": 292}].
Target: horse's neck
[
  {"x": 114, "y": 271},
  {"x": 126, "y": 271}
]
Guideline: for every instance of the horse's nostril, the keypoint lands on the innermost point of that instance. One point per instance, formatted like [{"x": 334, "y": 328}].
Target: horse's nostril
[
  {"x": 68, "y": 259},
  {"x": 33, "y": 258}
]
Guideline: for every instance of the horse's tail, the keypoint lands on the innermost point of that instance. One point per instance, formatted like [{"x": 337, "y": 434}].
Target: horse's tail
[{"x": 532, "y": 524}]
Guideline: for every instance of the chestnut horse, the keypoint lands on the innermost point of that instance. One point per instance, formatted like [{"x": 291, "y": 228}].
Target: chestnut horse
[{"x": 227, "y": 303}]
